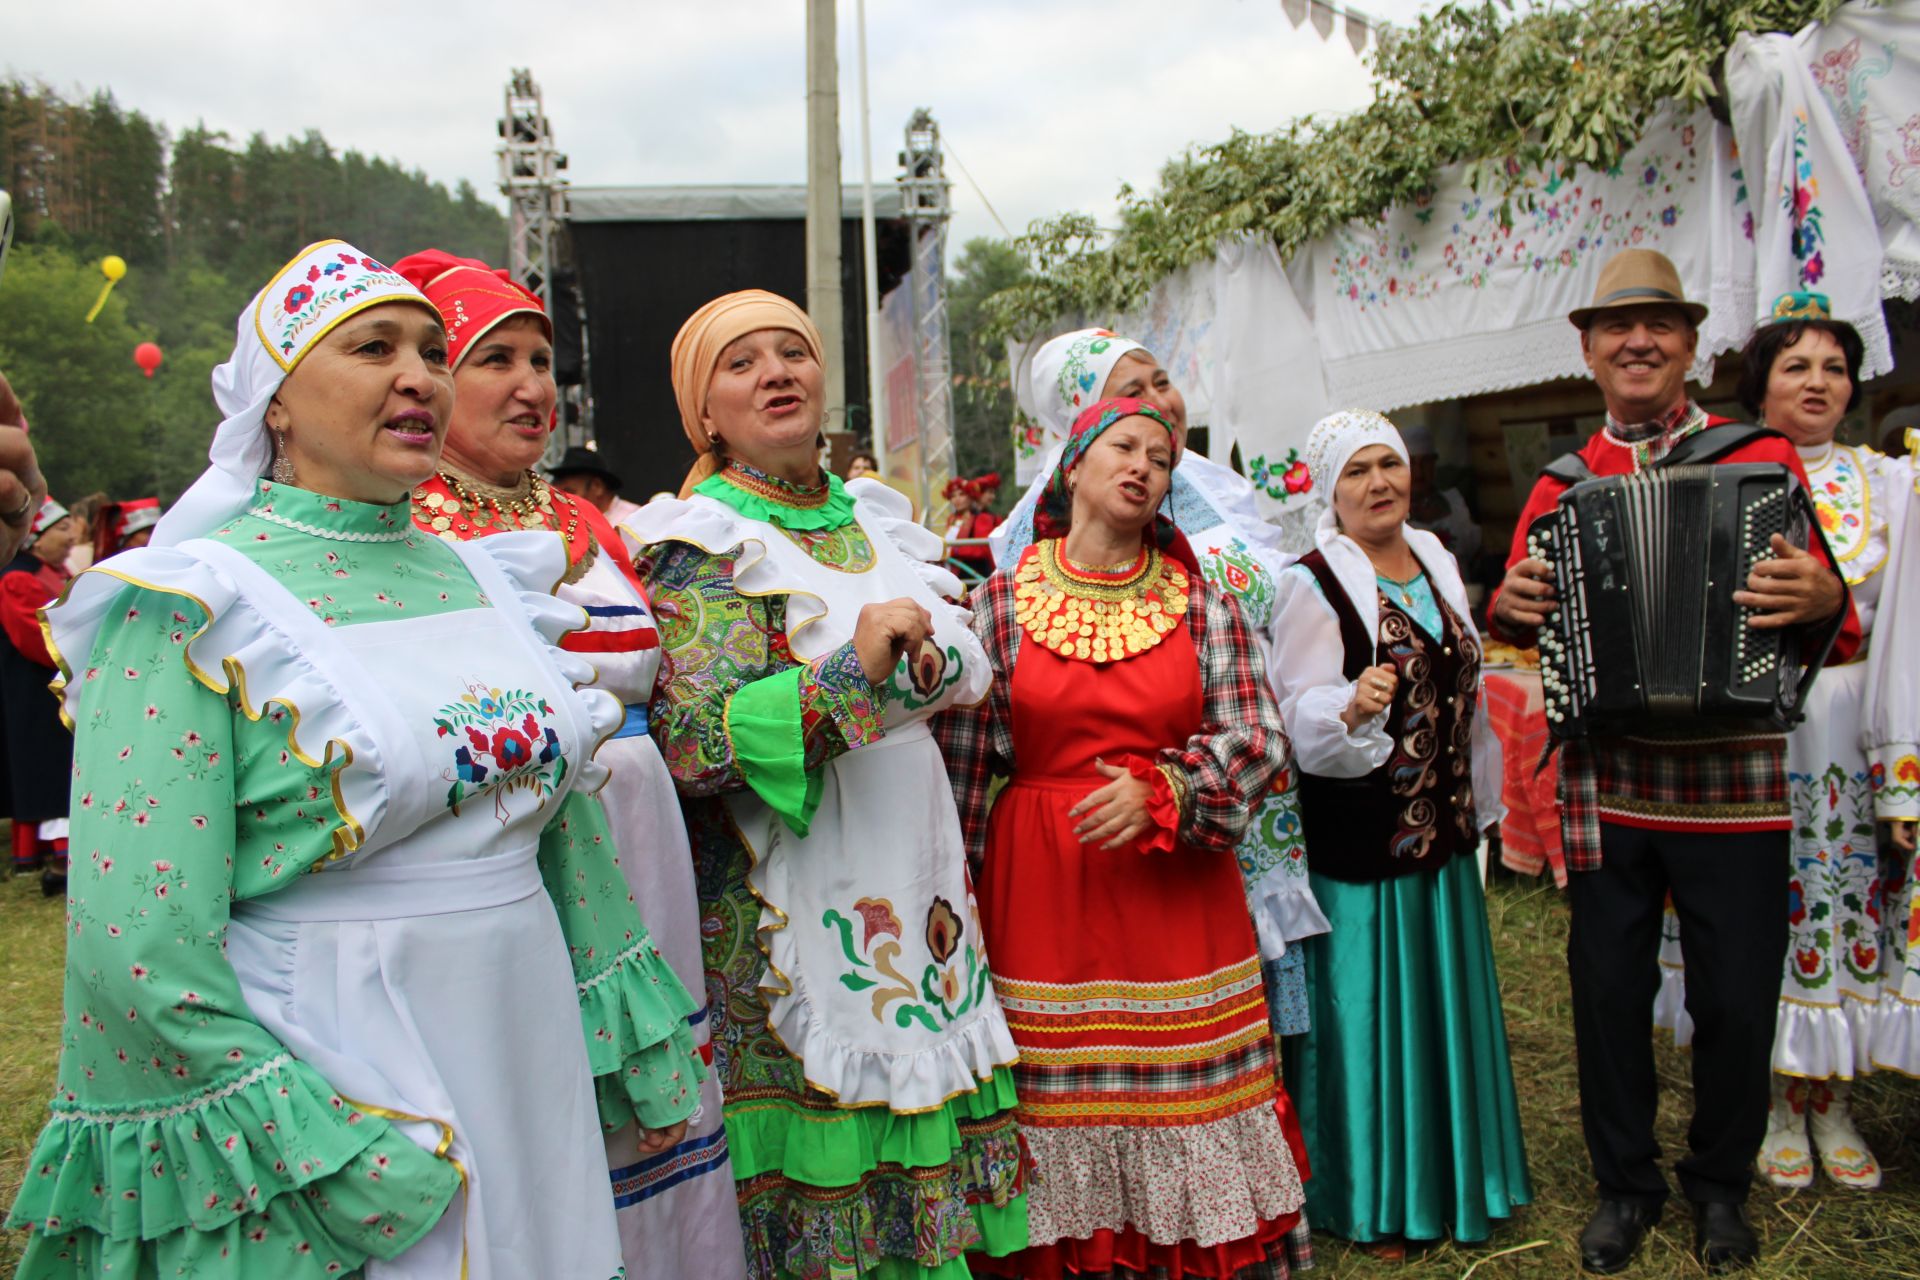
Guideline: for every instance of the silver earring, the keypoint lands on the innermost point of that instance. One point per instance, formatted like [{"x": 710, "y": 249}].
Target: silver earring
[{"x": 282, "y": 464}]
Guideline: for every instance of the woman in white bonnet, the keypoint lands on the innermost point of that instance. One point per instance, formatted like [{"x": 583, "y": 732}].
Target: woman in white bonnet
[
  {"x": 1406, "y": 1095},
  {"x": 353, "y": 978}
]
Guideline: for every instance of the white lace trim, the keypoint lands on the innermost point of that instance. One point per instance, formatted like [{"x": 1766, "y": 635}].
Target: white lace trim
[
  {"x": 110, "y": 1115},
  {"x": 1524, "y": 356},
  {"x": 332, "y": 535},
  {"x": 1900, "y": 280},
  {"x": 613, "y": 968}
]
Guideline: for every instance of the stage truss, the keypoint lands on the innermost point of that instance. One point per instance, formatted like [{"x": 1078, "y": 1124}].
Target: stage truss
[{"x": 533, "y": 179}]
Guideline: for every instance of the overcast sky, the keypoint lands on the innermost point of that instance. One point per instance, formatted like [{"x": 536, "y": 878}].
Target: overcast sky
[{"x": 1050, "y": 104}]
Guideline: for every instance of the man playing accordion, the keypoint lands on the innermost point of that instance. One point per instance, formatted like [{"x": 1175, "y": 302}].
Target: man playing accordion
[{"x": 1697, "y": 810}]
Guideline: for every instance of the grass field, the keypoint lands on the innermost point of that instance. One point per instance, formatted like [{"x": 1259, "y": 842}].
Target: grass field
[{"x": 1819, "y": 1234}]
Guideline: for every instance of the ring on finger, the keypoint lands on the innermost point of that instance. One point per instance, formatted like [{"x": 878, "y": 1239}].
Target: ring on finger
[{"x": 26, "y": 505}]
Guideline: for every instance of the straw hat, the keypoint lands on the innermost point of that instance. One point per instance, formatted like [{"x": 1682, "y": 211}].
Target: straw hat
[{"x": 1636, "y": 278}]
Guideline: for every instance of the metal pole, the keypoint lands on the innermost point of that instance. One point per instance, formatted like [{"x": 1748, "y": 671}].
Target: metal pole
[
  {"x": 823, "y": 205},
  {"x": 870, "y": 257}
]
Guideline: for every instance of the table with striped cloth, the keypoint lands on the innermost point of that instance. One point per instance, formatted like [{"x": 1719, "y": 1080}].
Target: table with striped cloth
[{"x": 1530, "y": 833}]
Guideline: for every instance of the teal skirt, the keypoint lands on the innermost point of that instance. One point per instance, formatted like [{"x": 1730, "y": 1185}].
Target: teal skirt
[{"x": 1402, "y": 1081}]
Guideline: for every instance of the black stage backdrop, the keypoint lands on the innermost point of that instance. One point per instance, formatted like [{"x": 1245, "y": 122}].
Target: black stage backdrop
[{"x": 640, "y": 281}]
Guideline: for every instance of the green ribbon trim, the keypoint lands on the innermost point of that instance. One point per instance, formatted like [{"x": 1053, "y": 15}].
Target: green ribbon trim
[
  {"x": 835, "y": 513},
  {"x": 840, "y": 1146},
  {"x": 769, "y": 747}
]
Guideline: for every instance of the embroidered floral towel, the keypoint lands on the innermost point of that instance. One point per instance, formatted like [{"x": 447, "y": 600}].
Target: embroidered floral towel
[{"x": 1813, "y": 227}]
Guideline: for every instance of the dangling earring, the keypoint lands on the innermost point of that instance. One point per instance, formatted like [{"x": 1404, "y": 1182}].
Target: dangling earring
[{"x": 282, "y": 464}]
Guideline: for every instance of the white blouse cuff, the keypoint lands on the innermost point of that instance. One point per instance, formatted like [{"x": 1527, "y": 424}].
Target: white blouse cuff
[{"x": 1326, "y": 746}]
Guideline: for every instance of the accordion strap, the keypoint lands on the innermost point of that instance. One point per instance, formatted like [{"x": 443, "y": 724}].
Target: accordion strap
[
  {"x": 1354, "y": 639},
  {"x": 1708, "y": 445}
]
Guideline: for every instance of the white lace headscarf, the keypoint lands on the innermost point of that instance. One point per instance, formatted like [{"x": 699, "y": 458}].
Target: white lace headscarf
[
  {"x": 323, "y": 285},
  {"x": 1331, "y": 445}
]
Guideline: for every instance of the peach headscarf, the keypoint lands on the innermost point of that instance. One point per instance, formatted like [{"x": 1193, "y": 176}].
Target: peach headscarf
[{"x": 697, "y": 348}]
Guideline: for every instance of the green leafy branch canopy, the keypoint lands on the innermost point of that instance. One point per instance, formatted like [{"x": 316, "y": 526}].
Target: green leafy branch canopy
[{"x": 1504, "y": 92}]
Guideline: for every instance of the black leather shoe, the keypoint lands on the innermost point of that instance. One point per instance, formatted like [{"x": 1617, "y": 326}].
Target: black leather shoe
[
  {"x": 1612, "y": 1236},
  {"x": 1722, "y": 1240}
]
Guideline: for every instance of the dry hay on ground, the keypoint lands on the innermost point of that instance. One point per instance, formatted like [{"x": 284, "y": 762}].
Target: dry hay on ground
[{"x": 1820, "y": 1234}]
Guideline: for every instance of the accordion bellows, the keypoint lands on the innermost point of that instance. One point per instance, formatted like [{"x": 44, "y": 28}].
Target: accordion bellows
[{"x": 1647, "y": 635}]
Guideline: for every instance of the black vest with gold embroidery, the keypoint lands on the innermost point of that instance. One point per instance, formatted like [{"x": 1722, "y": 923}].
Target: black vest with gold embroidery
[{"x": 1415, "y": 811}]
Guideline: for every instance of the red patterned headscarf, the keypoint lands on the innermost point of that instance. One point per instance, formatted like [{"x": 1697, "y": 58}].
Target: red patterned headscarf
[
  {"x": 1054, "y": 515},
  {"x": 473, "y": 297}
]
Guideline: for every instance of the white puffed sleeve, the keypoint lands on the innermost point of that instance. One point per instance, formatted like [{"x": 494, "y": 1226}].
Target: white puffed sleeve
[{"x": 1306, "y": 667}]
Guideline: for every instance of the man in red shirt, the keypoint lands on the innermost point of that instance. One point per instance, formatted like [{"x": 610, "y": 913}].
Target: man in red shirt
[{"x": 1700, "y": 812}]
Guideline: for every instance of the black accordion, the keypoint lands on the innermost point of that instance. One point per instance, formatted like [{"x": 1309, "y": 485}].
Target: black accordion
[{"x": 1646, "y": 632}]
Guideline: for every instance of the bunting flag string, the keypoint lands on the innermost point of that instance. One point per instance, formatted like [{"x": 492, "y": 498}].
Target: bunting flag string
[{"x": 1321, "y": 13}]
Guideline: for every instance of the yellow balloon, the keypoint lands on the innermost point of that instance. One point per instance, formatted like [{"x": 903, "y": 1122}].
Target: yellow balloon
[{"x": 113, "y": 267}]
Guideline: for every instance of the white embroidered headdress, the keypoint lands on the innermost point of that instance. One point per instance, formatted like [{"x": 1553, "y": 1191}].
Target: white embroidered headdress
[
  {"x": 323, "y": 285},
  {"x": 1333, "y": 442},
  {"x": 1069, "y": 372}
]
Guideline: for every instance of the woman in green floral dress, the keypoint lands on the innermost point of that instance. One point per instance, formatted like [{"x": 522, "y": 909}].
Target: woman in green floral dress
[
  {"x": 352, "y": 976},
  {"x": 863, "y": 1056}
]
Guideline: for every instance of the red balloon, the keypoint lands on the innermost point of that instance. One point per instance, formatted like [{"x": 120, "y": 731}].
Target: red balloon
[{"x": 147, "y": 355}]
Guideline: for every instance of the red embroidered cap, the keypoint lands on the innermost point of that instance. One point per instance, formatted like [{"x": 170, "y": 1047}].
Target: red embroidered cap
[
  {"x": 120, "y": 520},
  {"x": 472, "y": 297}
]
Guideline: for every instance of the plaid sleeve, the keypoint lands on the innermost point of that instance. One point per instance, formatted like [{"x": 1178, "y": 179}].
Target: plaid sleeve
[
  {"x": 1230, "y": 764},
  {"x": 978, "y": 740}
]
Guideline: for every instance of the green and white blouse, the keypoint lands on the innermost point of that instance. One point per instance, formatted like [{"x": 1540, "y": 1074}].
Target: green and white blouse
[{"x": 211, "y": 769}]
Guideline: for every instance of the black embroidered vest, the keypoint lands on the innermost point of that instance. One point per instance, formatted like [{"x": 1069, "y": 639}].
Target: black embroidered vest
[{"x": 1415, "y": 811}]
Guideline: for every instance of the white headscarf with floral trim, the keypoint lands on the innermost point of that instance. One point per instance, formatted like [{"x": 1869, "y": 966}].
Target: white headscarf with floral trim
[
  {"x": 323, "y": 285},
  {"x": 1069, "y": 373}
]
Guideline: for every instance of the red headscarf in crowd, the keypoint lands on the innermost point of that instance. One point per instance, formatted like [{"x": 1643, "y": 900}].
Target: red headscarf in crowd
[
  {"x": 118, "y": 521},
  {"x": 472, "y": 297}
]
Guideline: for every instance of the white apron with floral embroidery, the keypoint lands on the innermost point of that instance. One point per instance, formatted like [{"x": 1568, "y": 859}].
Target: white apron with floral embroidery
[
  {"x": 425, "y": 975},
  {"x": 877, "y": 978},
  {"x": 1850, "y": 991}
]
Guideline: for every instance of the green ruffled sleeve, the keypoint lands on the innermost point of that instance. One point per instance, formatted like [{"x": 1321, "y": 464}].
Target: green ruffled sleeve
[
  {"x": 184, "y": 1138},
  {"x": 767, "y": 725},
  {"x": 633, "y": 1010}
]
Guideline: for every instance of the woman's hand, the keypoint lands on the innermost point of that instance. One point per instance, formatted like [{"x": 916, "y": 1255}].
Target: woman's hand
[
  {"x": 1791, "y": 589},
  {"x": 1117, "y": 812},
  {"x": 654, "y": 1141},
  {"x": 887, "y": 630},
  {"x": 1372, "y": 694},
  {"x": 1903, "y": 834}
]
